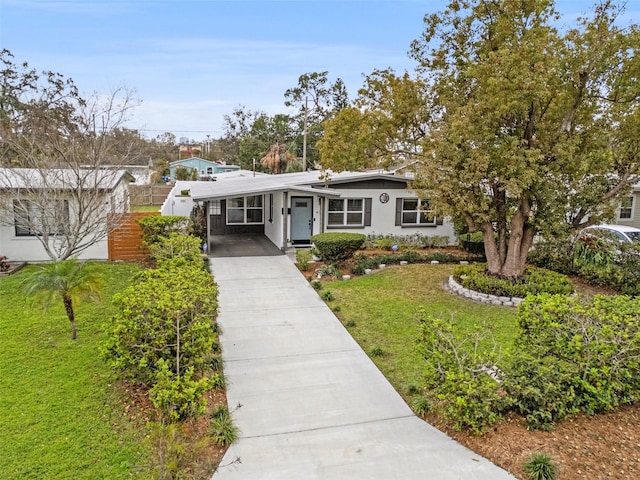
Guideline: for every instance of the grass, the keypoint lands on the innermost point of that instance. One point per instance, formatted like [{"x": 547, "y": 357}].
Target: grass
[
  {"x": 380, "y": 311},
  {"x": 145, "y": 208},
  {"x": 61, "y": 418}
]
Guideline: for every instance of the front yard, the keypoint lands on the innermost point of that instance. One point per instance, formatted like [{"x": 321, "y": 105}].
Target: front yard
[
  {"x": 380, "y": 311},
  {"x": 61, "y": 416}
]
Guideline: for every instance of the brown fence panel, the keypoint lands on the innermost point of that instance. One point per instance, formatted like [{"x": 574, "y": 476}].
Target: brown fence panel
[
  {"x": 149, "y": 194},
  {"x": 125, "y": 241}
]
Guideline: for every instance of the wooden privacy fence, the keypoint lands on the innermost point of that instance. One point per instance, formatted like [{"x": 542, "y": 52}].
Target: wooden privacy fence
[
  {"x": 148, "y": 194},
  {"x": 125, "y": 241}
]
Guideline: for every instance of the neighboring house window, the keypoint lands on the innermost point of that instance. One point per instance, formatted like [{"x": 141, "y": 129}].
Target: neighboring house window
[
  {"x": 414, "y": 212},
  {"x": 32, "y": 219},
  {"x": 626, "y": 208},
  {"x": 209, "y": 170},
  {"x": 349, "y": 212},
  {"x": 242, "y": 210}
]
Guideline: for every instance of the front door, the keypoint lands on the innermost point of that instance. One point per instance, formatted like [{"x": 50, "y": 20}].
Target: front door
[
  {"x": 217, "y": 217},
  {"x": 301, "y": 220}
]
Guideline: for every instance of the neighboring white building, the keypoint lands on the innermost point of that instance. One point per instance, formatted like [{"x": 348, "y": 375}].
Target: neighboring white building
[
  {"x": 79, "y": 201},
  {"x": 179, "y": 200},
  {"x": 290, "y": 208},
  {"x": 629, "y": 210}
]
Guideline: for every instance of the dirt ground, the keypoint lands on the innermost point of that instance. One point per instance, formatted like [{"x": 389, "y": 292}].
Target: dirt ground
[{"x": 605, "y": 446}]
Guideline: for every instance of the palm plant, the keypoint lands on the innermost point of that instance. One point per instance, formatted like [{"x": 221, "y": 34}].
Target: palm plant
[{"x": 68, "y": 280}]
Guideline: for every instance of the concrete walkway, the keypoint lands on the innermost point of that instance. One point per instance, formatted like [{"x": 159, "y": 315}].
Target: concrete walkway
[{"x": 308, "y": 401}]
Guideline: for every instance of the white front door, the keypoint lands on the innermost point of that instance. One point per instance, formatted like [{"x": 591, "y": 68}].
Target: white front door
[{"x": 301, "y": 219}]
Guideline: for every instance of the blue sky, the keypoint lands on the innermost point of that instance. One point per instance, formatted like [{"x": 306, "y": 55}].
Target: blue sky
[{"x": 191, "y": 62}]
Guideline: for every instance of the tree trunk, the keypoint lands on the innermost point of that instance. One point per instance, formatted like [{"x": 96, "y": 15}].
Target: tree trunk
[
  {"x": 68, "y": 306},
  {"x": 508, "y": 257}
]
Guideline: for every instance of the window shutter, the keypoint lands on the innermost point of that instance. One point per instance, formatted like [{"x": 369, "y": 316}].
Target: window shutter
[
  {"x": 398, "y": 211},
  {"x": 367, "y": 212}
]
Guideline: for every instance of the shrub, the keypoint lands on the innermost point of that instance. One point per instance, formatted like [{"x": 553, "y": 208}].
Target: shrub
[
  {"x": 540, "y": 467},
  {"x": 534, "y": 281},
  {"x": 156, "y": 226},
  {"x": 303, "y": 257},
  {"x": 167, "y": 314},
  {"x": 337, "y": 247},
  {"x": 179, "y": 397},
  {"x": 556, "y": 255},
  {"x": 362, "y": 263},
  {"x": 575, "y": 354},
  {"x": 175, "y": 250},
  {"x": 421, "y": 405},
  {"x": 327, "y": 271},
  {"x": 472, "y": 243},
  {"x": 456, "y": 373},
  {"x": 327, "y": 296}
]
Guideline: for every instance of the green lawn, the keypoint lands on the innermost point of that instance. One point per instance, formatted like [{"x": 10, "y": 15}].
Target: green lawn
[
  {"x": 60, "y": 418},
  {"x": 384, "y": 307},
  {"x": 145, "y": 208}
]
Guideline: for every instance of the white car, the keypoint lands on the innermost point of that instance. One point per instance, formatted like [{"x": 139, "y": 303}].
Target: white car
[{"x": 622, "y": 233}]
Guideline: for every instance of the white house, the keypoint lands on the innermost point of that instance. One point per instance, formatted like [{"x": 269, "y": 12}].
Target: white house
[
  {"x": 64, "y": 208},
  {"x": 179, "y": 201},
  {"x": 290, "y": 208}
]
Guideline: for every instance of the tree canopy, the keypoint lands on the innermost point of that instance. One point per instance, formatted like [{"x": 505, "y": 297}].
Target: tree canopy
[
  {"x": 62, "y": 152},
  {"x": 518, "y": 128}
]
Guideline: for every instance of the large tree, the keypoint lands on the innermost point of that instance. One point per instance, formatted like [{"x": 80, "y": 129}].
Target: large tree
[
  {"x": 251, "y": 136},
  {"x": 63, "y": 153},
  {"x": 530, "y": 130},
  {"x": 315, "y": 99}
]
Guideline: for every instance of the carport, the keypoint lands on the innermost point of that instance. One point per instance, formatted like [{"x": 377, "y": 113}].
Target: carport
[{"x": 242, "y": 245}]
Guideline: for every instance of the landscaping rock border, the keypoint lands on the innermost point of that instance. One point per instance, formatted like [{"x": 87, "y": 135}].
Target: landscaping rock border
[{"x": 458, "y": 289}]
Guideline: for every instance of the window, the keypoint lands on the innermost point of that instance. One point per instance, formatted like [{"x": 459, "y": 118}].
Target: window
[
  {"x": 346, "y": 212},
  {"x": 242, "y": 210},
  {"x": 209, "y": 170},
  {"x": 413, "y": 211},
  {"x": 31, "y": 219},
  {"x": 215, "y": 208},
  {"x": 626, "y": 209}
]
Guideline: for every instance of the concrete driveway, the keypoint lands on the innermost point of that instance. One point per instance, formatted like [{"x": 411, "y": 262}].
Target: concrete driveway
[
  {"x": 242, "y": 245},
  {"x": 308, "y": 401}
]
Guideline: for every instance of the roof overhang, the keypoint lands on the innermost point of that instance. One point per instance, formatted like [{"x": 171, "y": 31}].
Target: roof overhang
[{"x": 322, "y": 192}]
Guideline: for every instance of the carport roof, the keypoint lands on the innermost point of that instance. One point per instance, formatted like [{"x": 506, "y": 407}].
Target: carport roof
[{"x": 303, "y": 182}]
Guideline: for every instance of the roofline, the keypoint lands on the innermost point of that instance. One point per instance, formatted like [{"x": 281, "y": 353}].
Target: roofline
[
  {"x": 365, "y": 176},
  {"x": 325, "y": 192}
]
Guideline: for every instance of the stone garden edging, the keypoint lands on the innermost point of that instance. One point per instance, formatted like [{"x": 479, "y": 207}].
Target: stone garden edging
[{"x": 458, "y": 289}]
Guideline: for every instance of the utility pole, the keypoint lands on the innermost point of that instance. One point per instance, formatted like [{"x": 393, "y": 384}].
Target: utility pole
[{"x": 304, "y": 135}]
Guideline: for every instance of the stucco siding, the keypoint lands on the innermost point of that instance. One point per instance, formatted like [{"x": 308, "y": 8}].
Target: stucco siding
[{"x": 383, "y": 215}]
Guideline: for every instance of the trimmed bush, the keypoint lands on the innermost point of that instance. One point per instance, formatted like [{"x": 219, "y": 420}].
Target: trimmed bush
[
  {"x": 168, "y": 314},
  {"x": 575, "y": 354},
  {"x": 175, "y": 250},
  {"x": 155, "y": 227},
  {"x": 534, "y": 281},
  {"x": 472, "y": 243},
  {"x": 336, "y": 246},
  {"x": 179, "y": 397}
]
